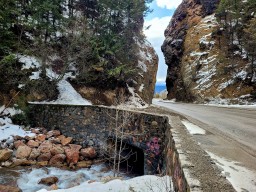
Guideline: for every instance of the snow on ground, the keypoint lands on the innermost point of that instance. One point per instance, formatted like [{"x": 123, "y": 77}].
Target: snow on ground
[
  {"x": 29, "y": 62},
  {"x": 139, "y": 184},
  {"x": 35, "y": 75},
  {"x": 219, "y": 102},
  {"x": 164, "y": 101},
  {"x": 241, "y": 178},
  {"x": 141, "y": 87},
  {"x": 134, "y": 101},
  {"x": 8, "y": 129},
  {"x": 193, "y": 129},
  {"x": 68, "y": 95}
]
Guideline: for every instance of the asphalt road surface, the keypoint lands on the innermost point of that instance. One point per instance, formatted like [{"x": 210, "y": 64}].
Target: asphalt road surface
[{"x": 238, "y": 124}]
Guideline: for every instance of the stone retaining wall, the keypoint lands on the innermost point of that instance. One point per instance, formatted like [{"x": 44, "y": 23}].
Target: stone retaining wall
[{"x": 93, "y": 125}]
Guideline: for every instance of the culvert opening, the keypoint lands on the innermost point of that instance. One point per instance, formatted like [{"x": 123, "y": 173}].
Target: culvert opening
[{"x": 130, "y": 158}]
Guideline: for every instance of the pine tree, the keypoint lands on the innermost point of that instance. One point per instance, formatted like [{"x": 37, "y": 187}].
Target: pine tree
[{"x": 250, "y": 37}]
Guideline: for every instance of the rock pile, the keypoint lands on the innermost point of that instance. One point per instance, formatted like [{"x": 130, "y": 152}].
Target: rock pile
[{"x": 46, "y": 148}]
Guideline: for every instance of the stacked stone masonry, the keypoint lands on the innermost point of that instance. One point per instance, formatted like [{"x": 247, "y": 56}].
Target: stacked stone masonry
[{"x": 94, "y": 125}]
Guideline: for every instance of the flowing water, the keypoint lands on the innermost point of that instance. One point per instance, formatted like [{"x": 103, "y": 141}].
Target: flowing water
[{"x": 27, "y": 178}]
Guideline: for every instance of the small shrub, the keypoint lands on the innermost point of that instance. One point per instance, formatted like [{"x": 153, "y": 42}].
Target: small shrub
[{"x": 20, "y": 119}]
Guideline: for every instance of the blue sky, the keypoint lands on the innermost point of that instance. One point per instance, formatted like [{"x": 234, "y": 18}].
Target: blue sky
[{"x": 158, "y": 20}]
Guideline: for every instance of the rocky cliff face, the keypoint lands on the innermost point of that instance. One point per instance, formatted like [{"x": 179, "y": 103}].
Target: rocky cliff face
[
  {"x": 200, "y": 67},
  {"x": 188, "y": 14}
]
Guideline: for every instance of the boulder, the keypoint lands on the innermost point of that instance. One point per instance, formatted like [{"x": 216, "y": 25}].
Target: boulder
[
  {"x": 66, "y": 140},
  {"x": 23, "y": 162},
  {"x": 61, "y": 137},
  {"x": 6, "y": 188},
  {"x": 84, "y": 164},
  {"x": 88, "y": 152},
  {"x": 45, "y": 147},
  {"x": 40, "y": 137},
  {"x": 34, "y": 130},
  {"x": 49, "y": 181},
  {"x": 57, "y": 159},
  {"x": 78, "y": 179},
  {"x": 17, "y": 137},
  {"x": 6, "y": 164},
  {"x": 34, "y": 154},
  {"x": 75, "y": 147},
  {"x": 42, "y": 163},
  {"x": 54, "y": 133},
  {"x": 57, "y": 149},
  {"x": 72, "y": 155},
  {"x": 54, "y": 140},
  {"x": 32, "y": 144},
  {"x": 44, "y": 157},
  {"x": 18, "y": 143},
  {"x": 23, "y": 152},
  {"x": 29, "y": 137},
  {"x": 5, "y": 154},
  {"x": 54, "y": 187}
]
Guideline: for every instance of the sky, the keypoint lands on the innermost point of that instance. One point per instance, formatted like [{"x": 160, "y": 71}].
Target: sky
[{"x": 158, "y": 21}]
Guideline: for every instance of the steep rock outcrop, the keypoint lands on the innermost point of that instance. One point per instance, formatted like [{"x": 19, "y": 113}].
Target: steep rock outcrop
[
  {"x": 188, "y": 14},
  {"x": 148, "y": 63},
  {"x": 203, "y": 65}
]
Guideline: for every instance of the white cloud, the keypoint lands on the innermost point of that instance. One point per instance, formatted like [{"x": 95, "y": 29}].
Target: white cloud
[
  {"x": 155, "y": 35},
  {"x": 157, "y": 27},
  {"x": 168, "y": 4}
]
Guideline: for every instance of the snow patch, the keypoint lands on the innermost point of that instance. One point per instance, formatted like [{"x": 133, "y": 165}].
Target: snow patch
[
  {"x": 141, "y": 87},
  {"x": 68, "y": 95},
  {"x": 218, "y": 102},
  {"x": 193, "y": 129},
  {"x": 35, "y": 75},
  {"x": 225, "y": 84},
  {"x": 142, "y": 66},
  {"x": 138, "y": 184},
  {"x": 134, "y": 101},
  {"x": 241, "y": 178},
  {"x": 29, "y": 62},
  {"x": 242, "y": 74},
  {"x": 7, "y": 128},
  {"x": 194, "y": 53}
]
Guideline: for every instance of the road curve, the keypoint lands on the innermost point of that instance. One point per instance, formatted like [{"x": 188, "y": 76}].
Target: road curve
[{"x": 237, "y": 123}]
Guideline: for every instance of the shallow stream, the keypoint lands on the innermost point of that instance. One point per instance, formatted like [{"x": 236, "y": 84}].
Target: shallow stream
[{"x": 27, "y": 178}]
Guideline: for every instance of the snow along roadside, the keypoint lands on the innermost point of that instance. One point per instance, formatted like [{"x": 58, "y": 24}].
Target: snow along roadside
[
  {"x": 238, "y": 176},
  {"x": 139, "y": 184}
]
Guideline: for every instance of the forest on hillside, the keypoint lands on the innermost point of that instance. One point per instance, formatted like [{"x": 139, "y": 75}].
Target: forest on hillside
[
  {"x": 95, "y": 39},
  {"x": 238, "y": 24}
]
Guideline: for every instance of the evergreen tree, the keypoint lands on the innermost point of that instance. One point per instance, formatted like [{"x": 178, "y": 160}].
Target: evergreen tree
[{"x": 250, "y": 37}]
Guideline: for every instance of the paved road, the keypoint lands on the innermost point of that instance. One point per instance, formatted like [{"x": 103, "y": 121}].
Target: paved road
[{"x": 236, "y": 123}]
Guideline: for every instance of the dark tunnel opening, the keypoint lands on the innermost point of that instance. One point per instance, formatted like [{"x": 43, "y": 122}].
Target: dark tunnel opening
[{"x": 131, "y": 157}]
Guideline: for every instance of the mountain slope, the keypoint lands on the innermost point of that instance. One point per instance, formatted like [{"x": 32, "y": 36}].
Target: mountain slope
[{"x": 101, "y": 43}]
